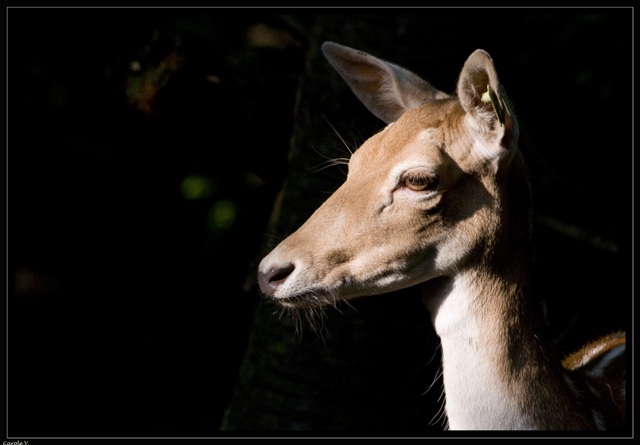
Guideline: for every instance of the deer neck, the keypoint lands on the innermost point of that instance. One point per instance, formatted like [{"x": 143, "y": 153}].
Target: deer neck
[
  {"x": 499, "y": 370},
  {"x": 487, "y": 365}
]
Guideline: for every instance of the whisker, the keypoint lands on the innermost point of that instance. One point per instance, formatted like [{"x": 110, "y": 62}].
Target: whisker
[
  {"x": 350, "y": 305},
  {"x": 298, "y": 322},
  {"x": 326, "y": 164},
  {"x": 343, "y": 141},
  {"x": 334, "y": 304}
]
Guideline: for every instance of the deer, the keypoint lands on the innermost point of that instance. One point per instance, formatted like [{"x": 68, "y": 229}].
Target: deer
[{"x": 441, "y": 198}]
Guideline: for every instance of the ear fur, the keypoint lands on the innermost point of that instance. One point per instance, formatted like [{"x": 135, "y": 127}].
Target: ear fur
[
  {"x": 486, "y": 104},
  {"x": 387, "y": 90}
]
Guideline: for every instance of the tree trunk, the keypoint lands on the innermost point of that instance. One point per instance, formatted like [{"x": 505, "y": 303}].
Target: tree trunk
[{"x": 372, "y": 365}]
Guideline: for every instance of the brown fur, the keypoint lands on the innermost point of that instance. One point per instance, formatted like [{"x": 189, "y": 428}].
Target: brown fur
[{"x": 466, "y": 237}]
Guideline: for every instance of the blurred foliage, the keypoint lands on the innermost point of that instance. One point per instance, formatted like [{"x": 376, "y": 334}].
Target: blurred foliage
[
  {"x": 146, "y": 147},
  {"x": 197, "y": 187},
  {"x": 222, "y": 215}
]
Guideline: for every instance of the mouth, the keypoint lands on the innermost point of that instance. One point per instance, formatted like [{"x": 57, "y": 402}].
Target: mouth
[
  {"x": 303, "y": 310},
  {"x": 305, "y": 300}
]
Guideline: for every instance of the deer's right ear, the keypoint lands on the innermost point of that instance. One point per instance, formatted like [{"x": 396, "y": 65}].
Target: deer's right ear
[{"x": 387, "y": 90}]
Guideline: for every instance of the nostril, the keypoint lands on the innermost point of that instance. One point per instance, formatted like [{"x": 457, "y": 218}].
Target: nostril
[
  {"x": 270, "y": 280},
  {"x": 277, "y": 276}
]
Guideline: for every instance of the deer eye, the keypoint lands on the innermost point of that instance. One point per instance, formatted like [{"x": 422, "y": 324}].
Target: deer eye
[{"x": 420, "y": 181}]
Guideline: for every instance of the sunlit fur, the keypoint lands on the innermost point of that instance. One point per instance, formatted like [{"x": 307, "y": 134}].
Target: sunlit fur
[{"x": 468, "y": 241}]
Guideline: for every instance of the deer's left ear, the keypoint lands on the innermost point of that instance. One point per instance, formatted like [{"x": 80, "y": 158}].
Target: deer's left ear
[{"x": 489, "y": 112}]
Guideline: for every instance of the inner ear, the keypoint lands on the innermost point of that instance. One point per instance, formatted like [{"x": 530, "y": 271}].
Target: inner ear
[
  {"x": 485, "y": 101},
  {"x": 479, "y": 91}
]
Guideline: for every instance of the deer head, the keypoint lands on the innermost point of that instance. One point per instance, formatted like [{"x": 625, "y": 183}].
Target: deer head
[
  {"x": 421, "y": 197},
  {"x": 441, "y": 197}
]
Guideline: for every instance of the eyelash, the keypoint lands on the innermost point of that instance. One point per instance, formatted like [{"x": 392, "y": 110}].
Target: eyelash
[{"x": 419, "y": 181}]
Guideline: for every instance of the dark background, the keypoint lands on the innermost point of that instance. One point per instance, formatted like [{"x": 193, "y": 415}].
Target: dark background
[{"x": 145, "y": 151}]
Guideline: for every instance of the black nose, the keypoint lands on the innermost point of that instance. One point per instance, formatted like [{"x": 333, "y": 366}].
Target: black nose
[{"x": 270, "y": 280}]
